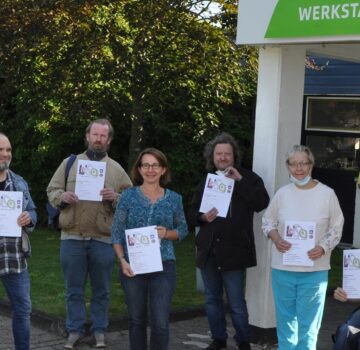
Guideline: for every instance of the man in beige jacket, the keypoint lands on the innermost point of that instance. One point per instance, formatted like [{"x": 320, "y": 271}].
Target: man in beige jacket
[{"x": 85, "y": 235}]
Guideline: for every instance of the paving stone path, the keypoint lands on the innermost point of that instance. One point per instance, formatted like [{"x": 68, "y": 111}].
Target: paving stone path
[{"x": 190, "y": 334}]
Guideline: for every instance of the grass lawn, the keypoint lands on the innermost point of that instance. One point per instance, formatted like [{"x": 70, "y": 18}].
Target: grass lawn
[{"x": 47, "y": 287}]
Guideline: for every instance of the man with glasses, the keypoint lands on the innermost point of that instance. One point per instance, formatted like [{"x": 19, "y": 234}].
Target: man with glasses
[{"x": 85, "y": 235}]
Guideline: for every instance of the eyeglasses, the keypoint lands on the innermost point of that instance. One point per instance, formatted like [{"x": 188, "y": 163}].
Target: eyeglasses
[
  {"x": 301, "y": 164},
  {"x": 147, "y": 166}
]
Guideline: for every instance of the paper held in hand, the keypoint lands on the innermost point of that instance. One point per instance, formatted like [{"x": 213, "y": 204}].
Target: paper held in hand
[
  {"x": 10, "y": 210},
  {"x": 351, "y": 273},
  {"x": 144, "y": 249},
  {"x": 90, "y": 179},
  {"x": 301, "y": 235},
  {"x": 217, "y": 194}
]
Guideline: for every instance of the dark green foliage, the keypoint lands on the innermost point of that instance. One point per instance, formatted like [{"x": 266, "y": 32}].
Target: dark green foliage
[{"x": 163, "y": 75}]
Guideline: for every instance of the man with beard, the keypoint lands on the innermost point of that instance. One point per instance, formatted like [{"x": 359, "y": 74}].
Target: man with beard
[
  {"x": 14, "y": 250},
  {"x": 86, "y": 235},
  {"x": 226, "y": 245}
]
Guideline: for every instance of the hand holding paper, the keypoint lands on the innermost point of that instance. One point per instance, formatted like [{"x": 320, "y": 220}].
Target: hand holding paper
[
  {"x": 108, "y": 194},
  {"x": 24, "y": 219},
  {"x": 340, "y": 294},
  {"x": 316, "y": 253},
  {"x": 232, "y": 173},
  {"x": 210, "y": 216},
  {"x": 126, "y": 268},
  {"x": 161, "y": 231}
]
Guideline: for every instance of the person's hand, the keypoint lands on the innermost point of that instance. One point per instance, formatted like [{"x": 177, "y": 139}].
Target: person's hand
[
  {"x": 161, "y": 231},
  {"x": 69, "y": 197},
  {"x": 316, "y": 253},
  {"x": 282, "y": 246},
  {"x": 232, "y": 173},
  {"x": 108, "y": 194},
  {"x": 340, "y": 294},
  {"x": 210, "y": 216},
  {"x": 24, "y": 219},
  {"x": 126, "y": 268}
]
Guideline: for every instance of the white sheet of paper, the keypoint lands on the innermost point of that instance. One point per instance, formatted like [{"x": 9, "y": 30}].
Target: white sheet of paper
[
  {"x": 144, "y": 249},
  {"x": 301, "y": 235},
  {"x": 351, "y": 273},
  {"x": 10, "y": 210},
  {"x": 217, "y": 194},
  {"x": 90, "y": 179}
]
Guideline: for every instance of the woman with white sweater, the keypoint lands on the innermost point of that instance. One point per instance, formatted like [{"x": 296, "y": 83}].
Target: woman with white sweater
[{"x": 304, "y": 220}]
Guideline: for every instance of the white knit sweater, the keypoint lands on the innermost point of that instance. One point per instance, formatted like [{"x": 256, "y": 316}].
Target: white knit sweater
[{"x": 318, "y": 204}]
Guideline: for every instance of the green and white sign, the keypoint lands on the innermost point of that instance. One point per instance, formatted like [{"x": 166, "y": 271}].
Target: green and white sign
[
  {"x": 309, "y": 18},
  {"x": 271, "y": 21}
]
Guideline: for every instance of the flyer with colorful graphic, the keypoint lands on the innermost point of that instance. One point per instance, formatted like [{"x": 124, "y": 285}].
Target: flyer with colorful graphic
[
  {"x": 351, "y": 273},
  {"x": 301, "y": 235},
  {"x": 90, "y": 180},
  {"x": 144, "y": 249},
  {"x": 10, "y": 210},
  {"x": 217, "y": 194}
]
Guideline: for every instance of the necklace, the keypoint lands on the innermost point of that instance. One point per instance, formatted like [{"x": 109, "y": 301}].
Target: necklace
[{"x": 153, "y": 194}]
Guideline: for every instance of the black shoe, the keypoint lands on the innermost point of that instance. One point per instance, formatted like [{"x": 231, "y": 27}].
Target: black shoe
[
  {"x": 217, "y": 345},
  {"x": 244, "y": 346}
]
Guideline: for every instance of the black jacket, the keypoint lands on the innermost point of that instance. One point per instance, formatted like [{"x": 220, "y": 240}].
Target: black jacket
[{"x": 232, "y": 238}]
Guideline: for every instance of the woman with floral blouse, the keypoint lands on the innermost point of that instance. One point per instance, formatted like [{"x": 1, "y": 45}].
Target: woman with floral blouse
[{"x": 149, "y": 203}]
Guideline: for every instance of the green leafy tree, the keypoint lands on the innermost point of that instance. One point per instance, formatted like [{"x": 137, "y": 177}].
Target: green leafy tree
[{"x": 163, "y": 72}]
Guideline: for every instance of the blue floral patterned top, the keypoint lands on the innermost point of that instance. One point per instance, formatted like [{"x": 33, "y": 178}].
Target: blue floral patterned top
[{"x": 134, "y": 210}]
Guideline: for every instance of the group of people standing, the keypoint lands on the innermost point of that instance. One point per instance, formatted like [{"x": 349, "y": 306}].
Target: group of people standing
[{"x": 93, "y": 237}]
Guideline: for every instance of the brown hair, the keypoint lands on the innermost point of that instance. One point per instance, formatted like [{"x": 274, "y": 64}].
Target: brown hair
[
  {"x": 223, "y": 138},
  {"x": 160, "y": 157},
  {"x": 102, "y": 122}
]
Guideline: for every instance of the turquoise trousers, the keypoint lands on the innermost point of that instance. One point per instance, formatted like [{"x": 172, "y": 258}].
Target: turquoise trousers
[{"x": 299, "y": 304}]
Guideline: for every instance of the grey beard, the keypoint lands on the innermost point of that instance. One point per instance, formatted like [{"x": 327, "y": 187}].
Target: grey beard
[{"x": 4, "y": 166}]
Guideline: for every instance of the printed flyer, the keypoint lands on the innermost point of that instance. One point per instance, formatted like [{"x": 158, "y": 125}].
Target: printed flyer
[
  {"x": 301, "y": 235},
  {"x": 10, "y": 210},
  {"x": 90, "y": 179},
  {"x": 217, "y": 194},
  {"x": 351, "y": 273},
  {"x": 144, "y": 249}
]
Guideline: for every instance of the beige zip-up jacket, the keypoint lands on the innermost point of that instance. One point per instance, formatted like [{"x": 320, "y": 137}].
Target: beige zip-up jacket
[{"x": 87, "y": 218}]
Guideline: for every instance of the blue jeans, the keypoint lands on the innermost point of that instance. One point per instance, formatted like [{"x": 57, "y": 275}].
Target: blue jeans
[
  {"x": 17, "y": 286},
  {"x": 157, "y": 290},
  {"x": 215, "y": 282},
  {"x": 78, "y": 260},
  {"x": 299, "y": 304},
  {"x": 341, "y": 333}
]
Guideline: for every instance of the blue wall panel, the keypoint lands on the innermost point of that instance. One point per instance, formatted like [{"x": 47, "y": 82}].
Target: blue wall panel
[{"x": 333, "y": 77}]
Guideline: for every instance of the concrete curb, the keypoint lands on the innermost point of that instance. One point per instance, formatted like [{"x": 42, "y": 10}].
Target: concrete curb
[
  {"x": 40, "y": 319},
  {"x": 56, "y": 324}
]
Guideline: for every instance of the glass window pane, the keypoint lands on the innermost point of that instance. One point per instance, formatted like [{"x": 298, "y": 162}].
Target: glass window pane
[
  {"x": 335, "y": 152},
  {"x": 335, "y": 114}
]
